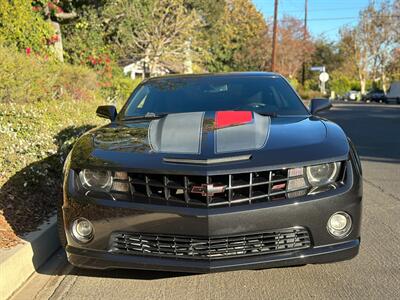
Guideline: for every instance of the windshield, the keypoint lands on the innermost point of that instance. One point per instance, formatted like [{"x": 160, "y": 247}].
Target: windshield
[{"x": 264, "y": 94}]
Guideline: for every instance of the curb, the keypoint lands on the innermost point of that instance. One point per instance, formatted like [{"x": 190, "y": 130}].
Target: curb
[{"x": 19, "y": 263}]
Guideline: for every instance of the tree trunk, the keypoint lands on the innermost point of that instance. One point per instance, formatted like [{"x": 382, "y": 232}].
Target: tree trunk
[
  {"x": 363, "y": 83},
  {"x": 58, "y": 47},
  {"x": 384, "y": 83},
  {"x": 154, "y": 64},
  {"x": 187, "y": 64}
]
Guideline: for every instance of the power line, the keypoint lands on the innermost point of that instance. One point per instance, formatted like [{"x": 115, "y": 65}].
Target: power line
[
  {"x": 332, "y": 19},
  {"x": 353, "y": 18},
  {"x": 347, "y": 18},
  {"x": 327, "y": 9},
  {"x": 336, "y": 27}
]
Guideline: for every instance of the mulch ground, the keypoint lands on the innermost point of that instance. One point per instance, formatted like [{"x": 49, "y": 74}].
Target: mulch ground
[{"x": 23, "y": 209}]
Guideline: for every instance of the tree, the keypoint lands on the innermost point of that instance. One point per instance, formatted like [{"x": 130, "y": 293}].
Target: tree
[
  {"x": 326, "y": 54},
  {"x": 210, "y": 10},
  {"x": 370, "y": 44},
  {"x": 53, "y": 13},
  {"x": 240, "y": 41},
  {"x": 393, "y": 68},
  {"x": 396, "y": 19},
  {"x": 85, "y": 36},
  {"x": 377, "y": 35},
  {"x": 158, "y": 31},
  {"x": 355, "y": 53},
  {"x": 292, "y": 47}
]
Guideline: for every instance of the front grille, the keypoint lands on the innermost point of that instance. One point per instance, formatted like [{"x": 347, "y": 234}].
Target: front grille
[
  {"x": 271, "y": 242},
  {"x": 236, "y": 189}
]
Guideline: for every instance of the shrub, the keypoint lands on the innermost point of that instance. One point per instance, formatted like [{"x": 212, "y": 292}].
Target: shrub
[
  {"x": 341, "y": 84},
  {"x": 22, "y": 27},
  {"x": 121, "y": 86},
  {"x": 309, "y": 94},
  {"x": 32, "y": 78},
  {"x": 294, "y": 83},
  {"x": 76, "y": 82}
]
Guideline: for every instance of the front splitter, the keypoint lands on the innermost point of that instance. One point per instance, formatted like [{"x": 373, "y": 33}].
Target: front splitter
[{"x": 106, "y": 260}]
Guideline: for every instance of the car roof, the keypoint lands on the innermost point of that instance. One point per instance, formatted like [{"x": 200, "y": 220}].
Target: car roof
[{"x": 210, "y": 75}]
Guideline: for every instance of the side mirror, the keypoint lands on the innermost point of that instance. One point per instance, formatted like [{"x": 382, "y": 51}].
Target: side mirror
[
  {"x": 318, "y": 105},
  {"x": 107, "y": 111}
]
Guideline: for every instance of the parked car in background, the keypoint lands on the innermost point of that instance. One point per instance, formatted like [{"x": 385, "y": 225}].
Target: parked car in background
[
  {"x": 351, "y": 96},
  {"x": 374, "y": 95},
  {"x": 393, "y": 94}
]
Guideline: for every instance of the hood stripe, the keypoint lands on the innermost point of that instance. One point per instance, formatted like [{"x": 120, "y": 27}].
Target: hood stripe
[
  {"x": 220, "y": 132},
  {"x": 250, "y": 136},
  {"x": 177, "y": 133}
]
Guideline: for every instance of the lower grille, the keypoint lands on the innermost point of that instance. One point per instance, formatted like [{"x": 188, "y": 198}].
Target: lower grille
[{"x": 271, "y": 242}]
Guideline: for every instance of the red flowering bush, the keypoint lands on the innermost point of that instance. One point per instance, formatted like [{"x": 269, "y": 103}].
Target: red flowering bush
[
  {"x": 53, "y": 39},
  {"x": 102, "y": 64},
  {"x": 52, "y": 6}
]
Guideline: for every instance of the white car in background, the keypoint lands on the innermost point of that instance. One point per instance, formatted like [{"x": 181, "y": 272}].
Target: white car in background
[{"x": 351, "y": 96}]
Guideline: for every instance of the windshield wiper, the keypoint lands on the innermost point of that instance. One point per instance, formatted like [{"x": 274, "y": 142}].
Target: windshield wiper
[
  {"x": 271, "y": 114},
  {"x": 149, "y": 115}
]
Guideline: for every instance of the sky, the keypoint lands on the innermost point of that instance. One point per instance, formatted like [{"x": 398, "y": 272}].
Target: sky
[{"x": 325, "y": 17}]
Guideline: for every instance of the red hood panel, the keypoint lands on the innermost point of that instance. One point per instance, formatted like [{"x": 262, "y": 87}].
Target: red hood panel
[{"x": 232, "y": 118}]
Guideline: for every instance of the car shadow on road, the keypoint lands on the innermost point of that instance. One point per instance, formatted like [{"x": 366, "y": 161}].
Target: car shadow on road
[
  {"x": 128, "y": 274},
  {"x": 58, "y": 265}
]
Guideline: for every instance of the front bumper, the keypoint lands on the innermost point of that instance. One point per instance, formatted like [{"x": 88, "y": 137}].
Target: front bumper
[
  {"x": 104, "y": 260},
  {"x": 311, "y": 212}
]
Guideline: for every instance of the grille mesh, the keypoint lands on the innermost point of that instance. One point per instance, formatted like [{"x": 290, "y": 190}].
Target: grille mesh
[
  {"x": 238, "y": 189},
  {"x": 211, "y": 248}
]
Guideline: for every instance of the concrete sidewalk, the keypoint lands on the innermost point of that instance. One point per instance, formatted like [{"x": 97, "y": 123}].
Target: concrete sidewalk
[{"x": 19, "y": 263}]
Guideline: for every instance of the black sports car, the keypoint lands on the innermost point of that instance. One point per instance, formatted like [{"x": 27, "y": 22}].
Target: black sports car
[{"x": 214, "y": 172}]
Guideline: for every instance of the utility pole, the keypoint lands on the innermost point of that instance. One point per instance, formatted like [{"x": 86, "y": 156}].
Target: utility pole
[
  {"x": 303, "y": 74},
  {"x": 275, "y": 28}
]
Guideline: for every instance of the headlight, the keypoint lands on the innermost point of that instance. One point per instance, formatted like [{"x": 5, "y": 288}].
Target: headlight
[
  {"x": 323, "y": 174},
  {"x": 96, "y": 179}
]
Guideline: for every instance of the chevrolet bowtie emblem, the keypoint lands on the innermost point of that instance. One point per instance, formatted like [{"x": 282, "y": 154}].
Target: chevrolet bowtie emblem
[{"x": 208, "y": 189}]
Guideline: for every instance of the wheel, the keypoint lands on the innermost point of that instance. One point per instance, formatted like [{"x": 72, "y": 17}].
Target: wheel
[{"x": 60, "y": 224}]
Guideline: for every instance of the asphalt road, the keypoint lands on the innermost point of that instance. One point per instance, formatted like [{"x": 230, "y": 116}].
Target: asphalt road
[{"x": 374, "y": 274}]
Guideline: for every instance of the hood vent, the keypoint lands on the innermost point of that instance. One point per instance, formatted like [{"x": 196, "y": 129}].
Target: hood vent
[{"x": 211, "y": 161}]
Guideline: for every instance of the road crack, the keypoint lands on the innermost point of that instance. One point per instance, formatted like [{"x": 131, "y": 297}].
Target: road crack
[{"x": 396, "y": 198}]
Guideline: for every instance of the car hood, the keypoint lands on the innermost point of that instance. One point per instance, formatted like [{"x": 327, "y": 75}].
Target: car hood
[{"x": 206, "y": 136}]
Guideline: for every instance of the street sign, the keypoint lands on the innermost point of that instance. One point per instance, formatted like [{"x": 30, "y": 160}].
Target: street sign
[
  {"x": 324, "y": 77},
  {"x": 318, "y": 69}
]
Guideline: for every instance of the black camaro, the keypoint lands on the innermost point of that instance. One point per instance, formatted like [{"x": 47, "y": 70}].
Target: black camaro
[{"x": 214, "y": 172}]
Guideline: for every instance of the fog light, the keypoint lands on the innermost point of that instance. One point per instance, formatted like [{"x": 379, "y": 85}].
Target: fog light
[
  {"x": 339, "y": 224},
  {"x": 82, "y": 230}
]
